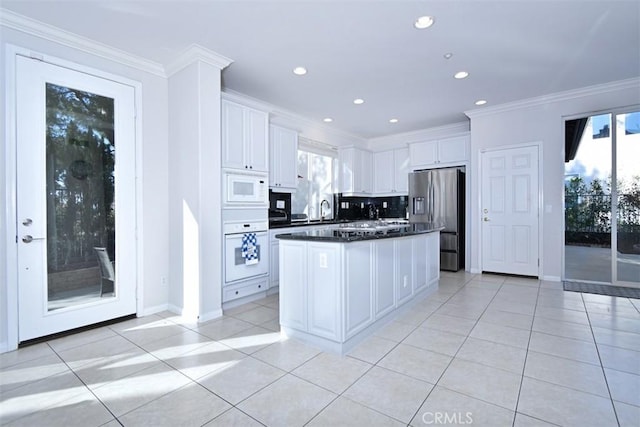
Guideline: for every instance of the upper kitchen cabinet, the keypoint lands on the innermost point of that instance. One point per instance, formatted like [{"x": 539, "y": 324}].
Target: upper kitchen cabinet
[
  {"x": 283, "y": 159},
  {"x": 391, "y": 172},
  {"x": 355, "y": 166},
  {"x": 441, "y": 152},
  {"x": 245, "y": 142}
]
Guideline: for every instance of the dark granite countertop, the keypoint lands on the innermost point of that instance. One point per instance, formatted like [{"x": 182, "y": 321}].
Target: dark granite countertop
[
  {"x": 345, "y": 235},
  {"x": 309, "y": 223}
]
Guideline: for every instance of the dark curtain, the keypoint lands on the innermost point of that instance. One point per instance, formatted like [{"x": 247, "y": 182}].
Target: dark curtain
[{"x": 573, "y": 130}]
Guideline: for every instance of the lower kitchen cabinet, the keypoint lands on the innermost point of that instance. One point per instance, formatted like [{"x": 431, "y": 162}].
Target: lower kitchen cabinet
[
  {"x": 358, "y": 293},
  {"x": 433, "y": 257},
  {"x": 274, "y": 262},
  {"x": 420, "y": 263},
  {"x": 323, "y": 289},
  {"x": 293, "y": 291},
  {"x": 244, "y": 289},
  {"x": 384, "y": 291},
  {"x": 403, "y": 267},
  {"x": 332, "y": 294}
]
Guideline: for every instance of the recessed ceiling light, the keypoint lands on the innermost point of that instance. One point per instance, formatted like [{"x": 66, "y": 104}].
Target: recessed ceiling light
[
  {"x": 461, "y": 75},
  {"x": 327, "y": 120},
  {"x": 424, "y": 22},
  {"x": 481, "y": 102},
  {"x": 393, "y": 121},
  {"x": 300, "y": 71},
  {"x": 358, "y": 101},
  {"x": 448, "y": 55}
]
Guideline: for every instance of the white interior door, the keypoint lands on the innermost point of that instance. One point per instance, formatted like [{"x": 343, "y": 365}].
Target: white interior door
[
  {"x": 75, "y": 199},
  {"x": 510, "y": 211}
]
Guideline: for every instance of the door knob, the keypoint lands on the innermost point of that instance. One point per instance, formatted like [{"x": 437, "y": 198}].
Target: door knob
[
  {"x": 486, "y": 219},
  {"x": 29, "y": 238},
  {"x": 27, "y": 222}
]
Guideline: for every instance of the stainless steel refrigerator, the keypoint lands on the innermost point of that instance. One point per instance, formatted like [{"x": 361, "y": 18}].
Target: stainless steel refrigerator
[{"x": 437, "y": 196}]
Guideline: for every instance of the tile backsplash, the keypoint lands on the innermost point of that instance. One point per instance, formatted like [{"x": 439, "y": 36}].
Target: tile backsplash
[{"x": 355, "y": 208}]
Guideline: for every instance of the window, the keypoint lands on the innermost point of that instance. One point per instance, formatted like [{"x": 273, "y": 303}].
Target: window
[{"x": 315, "y": 185}]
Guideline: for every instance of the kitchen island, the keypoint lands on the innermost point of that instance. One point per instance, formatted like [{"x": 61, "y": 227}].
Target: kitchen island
[{"x": 339, "y": 285}]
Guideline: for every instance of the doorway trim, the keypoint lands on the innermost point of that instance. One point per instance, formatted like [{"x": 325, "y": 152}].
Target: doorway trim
[
  {"x": 478, "y": 221},
  {"x": 613, "y": 111},
  {"x": 11, "y": 245}
]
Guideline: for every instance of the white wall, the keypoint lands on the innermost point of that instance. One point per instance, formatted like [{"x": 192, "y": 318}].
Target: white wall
[
  {"x": 540, "y": 120},
  {"x": 195, "y": 192},
  {"x": 153, "y": 106}
]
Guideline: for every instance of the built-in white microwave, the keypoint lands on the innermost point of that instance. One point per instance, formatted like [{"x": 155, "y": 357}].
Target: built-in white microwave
[{"x": 246, "y": 189}]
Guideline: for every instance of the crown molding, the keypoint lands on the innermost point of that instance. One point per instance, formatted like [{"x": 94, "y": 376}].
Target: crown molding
[
  {"x": 195, "y": 53},
  {"x": 403, "y": 139},
  {"x": 307, "y": 128},
  {"x": 39, "y": 29},
  {"x": 628, "y": 84}
]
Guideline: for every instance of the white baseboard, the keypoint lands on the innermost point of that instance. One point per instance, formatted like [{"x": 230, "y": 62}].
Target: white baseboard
[
  {"x": 5, "y": 348},
  {"x": 475, "y": 271},
  {"x": 153, "y": 310},
  {"x": 552, "y": 278},
  {"x": 205, "y": 317}
]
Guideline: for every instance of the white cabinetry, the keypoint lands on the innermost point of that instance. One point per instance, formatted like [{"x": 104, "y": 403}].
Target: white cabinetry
[
  {"x": 404, "y": 271},
  {"x": 332, "y": 294},
  {"x": 441, "y": 152},
  {"x": 283, "y": 155},
  {"x": 358, "y": 293},
  {"x": 323, "y": 291},
  {"x": 384, "y": 292},
  {"x": 274, "y": 261},
  {"x": 433, "y": 257},
  {"x": 391, "y": 172},
  {"x": 356, "y": 175},
  {"x": 244, "y": 137},
  {"x": 293, "y": 289}
]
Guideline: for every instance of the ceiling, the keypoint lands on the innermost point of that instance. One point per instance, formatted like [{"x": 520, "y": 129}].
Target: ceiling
[{"x": 512, "y": 50}]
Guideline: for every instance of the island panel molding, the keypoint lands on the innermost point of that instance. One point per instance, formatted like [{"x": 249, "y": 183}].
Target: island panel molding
[{"x": 335, "y": 293}]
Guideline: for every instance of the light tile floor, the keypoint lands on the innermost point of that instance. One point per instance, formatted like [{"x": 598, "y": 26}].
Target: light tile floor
[{"x": 481, "y": 350}]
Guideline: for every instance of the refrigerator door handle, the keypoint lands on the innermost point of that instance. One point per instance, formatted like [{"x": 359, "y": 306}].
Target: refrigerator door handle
[{"x": 432, "y": 201}]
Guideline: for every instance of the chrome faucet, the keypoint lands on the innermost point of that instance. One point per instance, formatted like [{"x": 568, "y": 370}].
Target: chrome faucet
[{"x": 321, "y": 211}]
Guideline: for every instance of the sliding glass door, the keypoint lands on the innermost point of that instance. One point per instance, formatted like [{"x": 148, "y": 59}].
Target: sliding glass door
[
  {"x": 627, "y": 195},
  {"x": 602, "y": 199}
]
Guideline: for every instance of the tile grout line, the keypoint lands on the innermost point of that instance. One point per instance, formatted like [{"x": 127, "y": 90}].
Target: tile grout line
[
  {"x": 457, "y": 351},
  {"x": 526, "y": 356},
  {"x": 381, "y": 367},
  {"x": 604, "y": 374},
  {"x": 86, "y": 386}
]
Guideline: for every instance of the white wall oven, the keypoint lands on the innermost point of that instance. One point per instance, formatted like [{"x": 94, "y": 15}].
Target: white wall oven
[
  {"x": 245, "y": 190},
  {"x": 246, "y": 251}
]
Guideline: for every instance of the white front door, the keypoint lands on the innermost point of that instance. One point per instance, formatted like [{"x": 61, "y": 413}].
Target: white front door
[
  {"x": 510, "y": 211},
  {"x": 75, "y": 194}
]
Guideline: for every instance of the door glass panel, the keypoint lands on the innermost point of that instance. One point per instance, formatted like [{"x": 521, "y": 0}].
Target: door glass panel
[
  {"x": 80, "y": 160},
  {"x": 588, "y": 205},
  {"x": 628, "y": 178}
]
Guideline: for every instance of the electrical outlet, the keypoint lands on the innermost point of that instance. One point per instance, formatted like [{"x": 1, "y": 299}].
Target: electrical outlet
[
  {"x": 362, "y": 205},
  {"x": 323, "y": 261},
  {"x": 163, "y": 280},
  {"x": 384, "y": 205}
]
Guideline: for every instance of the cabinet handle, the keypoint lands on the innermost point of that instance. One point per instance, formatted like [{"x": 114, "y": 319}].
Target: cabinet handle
[
  {"x": 236, "y": 292},
  {"x": 250, "y": 167},
  {"x": 259, "y": 286},
  {"x": 246, "y": 167}
]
